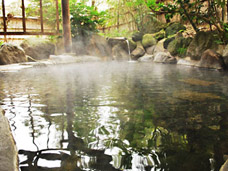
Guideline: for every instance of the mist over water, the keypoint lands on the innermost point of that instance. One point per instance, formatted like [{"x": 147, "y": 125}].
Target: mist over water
[{"x": 117, "y": 116}]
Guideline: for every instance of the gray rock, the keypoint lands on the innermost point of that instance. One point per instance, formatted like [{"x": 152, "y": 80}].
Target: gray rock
[
  {"x": 8, "y": 150},
  {"x": 137, "y": 36},
  {"x": 122, "y": 42},
  {"x": 201, "y": 42},
  {"x": 138, "y": 52},
  {"x": 146, "y": 58},
  {"x": 163, "y": 57},
  {"x": 150, "y": 50},
  {"x": 225, "y": 51},
  {"x": 10, "y": 54},
  {"x": 98, "y": 46},
  {"x": 224, "y": 166},
  {"x": 173, "y": 28},
  {"x": 119, "y": 53},
  {"x": 159, "y": 47},
  {"x": 211, "y": 59},
  {"x": 38, "y": 49},
  {"x": 187, "y": 62}
]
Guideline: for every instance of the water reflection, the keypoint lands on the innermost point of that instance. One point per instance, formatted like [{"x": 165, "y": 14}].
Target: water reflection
[{"x": 117, "y": 116}]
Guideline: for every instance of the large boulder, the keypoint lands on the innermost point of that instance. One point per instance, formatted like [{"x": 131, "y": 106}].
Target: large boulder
[
  {"x": 174, "y": 28},
  {"x": 10, "y": 54},
  {"x": 153, "y": 25},
  {"x": 167, "y": 41},
  {"x": 212, "y": 59},
  {"x": 124, "y": 43},
  {"x": 159, "y": 35},
  {"x": 38, "y": 48},
  {"x": 150, "y": 50},
  {"x": 119, "y": 54},
  {"x": 98, "y": 46},
  {"x": 179, "y": 46},
  {"x": 137, "y": 36},
  {"x": 148, "y": 40},
  {"x": 163, "y": 57},
  {"x": 94, "y": 45},
  {"x": 201, "y": 42},
  {"x": 138, "y": 52},
  {"x": 132, "y": 44},
  {"x": 160, "y": 46},
  {"x": 146, "y": 58}
]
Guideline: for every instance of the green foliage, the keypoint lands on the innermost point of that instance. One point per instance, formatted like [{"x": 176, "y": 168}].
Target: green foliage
[
  {"x": 116, "y": 33},
  {"x": 196, "y": 12},
  {"x": 85, "y": 19},
  {"x": 182, "y": 51}
]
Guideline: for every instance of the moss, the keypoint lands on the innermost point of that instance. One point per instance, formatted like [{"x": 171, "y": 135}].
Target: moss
[{"x": 148, "y": 40}]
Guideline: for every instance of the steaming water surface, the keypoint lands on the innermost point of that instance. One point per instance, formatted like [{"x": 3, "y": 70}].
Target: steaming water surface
[{"x": 117, "y": 116}]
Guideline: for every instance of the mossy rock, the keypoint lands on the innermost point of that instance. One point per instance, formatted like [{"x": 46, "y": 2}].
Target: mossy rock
[
  {"x": 148, "y": 40},
  {"x": 159, "y": 35},
  {"x": 179, "y": 46},
  {"x": 174, "y": 28},
  {"x": 167, "y": 41},
  {"x": 201, "y": 42},
  {"x": 153, "y": 25},
  {"x": 132, "y": 44}
]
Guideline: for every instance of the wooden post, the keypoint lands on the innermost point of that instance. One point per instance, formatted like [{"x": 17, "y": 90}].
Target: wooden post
[
  {"x": 66, "y": 26},
  {"x": 41, "y": 17},
  {"x": 4, "y": 20},
  {"x": 23, "y": 15}
]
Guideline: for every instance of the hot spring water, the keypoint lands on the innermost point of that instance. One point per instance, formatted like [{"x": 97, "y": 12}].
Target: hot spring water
[{"x": 117, "y": 116}]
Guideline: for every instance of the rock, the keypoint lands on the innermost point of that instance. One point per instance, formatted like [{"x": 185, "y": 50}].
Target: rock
[
  {"x": 146, "y": 58},
  {"x": 132, "y": 44},
  {"x": 98, "y": 46},
  {"x": 153, "y": 25},
  {"x": 211, "y": 59},
  {"x": 123, "y": 43},
  {"x": 187, "y": 61},
  {"x": 138, "y": 52},
  {"x": 93, "y": 45},
  {"x": 201, "y": 42},
  {"x": 159, "y": 35},
  {"x": 225, "y": 51},
  {"x": 148, "y": 40},
  {"x": 8, "y": 150},
  {"x": 38, "y": 49},
  {"x": 159, "y": 47},
  {"x": 137, "y": 36},
  {"x": 163, "y": 57},
  {"x": 10, "y": 54},
  {"x": 119, "y": 53},
  {"x": 224, "y": 166},
  {"x": 225, "y": 60},
  {"x": 167, "y": 41},
  {"x": 173, "y": 28},
  {"x": 150, "y": 50},
  {"x": 179, "y": 46}
]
